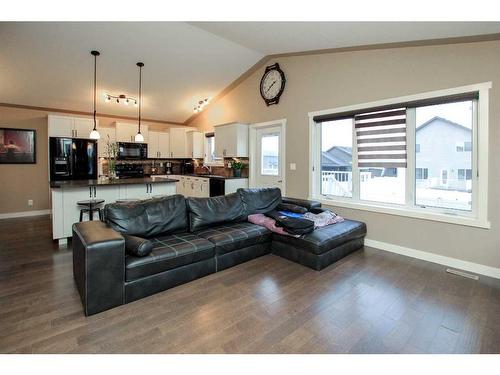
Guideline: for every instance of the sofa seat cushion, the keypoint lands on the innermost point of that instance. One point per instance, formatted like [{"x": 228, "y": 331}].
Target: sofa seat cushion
[
  {"x": 324, "y": 239},
  {"x": 170, "y": 251},
  {"x": 235, "y": 236}
]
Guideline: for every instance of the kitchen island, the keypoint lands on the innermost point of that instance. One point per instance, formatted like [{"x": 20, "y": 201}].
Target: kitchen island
[{"x": 66, "y": 194}]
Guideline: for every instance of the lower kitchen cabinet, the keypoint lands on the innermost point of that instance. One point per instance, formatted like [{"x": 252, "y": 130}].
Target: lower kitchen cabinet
[
  {"x": 189, "y": 186},
  {"x": 65, "y": 210}
]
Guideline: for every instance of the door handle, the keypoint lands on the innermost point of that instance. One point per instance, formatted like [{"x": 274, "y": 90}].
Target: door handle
[
  {"x": 95, "y": 191},
  {"x": 90, "y": 191},
  {"x": 280, "y": 181}
]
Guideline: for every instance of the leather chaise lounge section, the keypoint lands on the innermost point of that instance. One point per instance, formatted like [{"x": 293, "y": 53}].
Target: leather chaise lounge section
[{"x": 153, "y": 245}]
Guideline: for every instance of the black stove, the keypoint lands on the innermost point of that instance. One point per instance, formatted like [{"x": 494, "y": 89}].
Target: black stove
[{"x": 129, "y": 170}]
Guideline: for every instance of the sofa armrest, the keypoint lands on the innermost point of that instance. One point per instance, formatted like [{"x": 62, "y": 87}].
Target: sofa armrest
[
  {"x": 302, "y": 202},
  {"x": 98, "y": 266}
]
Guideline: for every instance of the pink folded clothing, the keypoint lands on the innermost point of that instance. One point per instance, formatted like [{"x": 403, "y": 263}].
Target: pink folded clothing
[{"x": 269, "y": 223}]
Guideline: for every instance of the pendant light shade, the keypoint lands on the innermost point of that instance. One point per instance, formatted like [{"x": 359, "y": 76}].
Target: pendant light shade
[
  {"x": 94, "y": 134},
  {"x": 139, "y": 137}
]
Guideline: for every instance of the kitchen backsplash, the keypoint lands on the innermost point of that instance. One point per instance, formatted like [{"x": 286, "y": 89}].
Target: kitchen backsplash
[
  {"x": 158, "y": 167},
  {"x": 222, "y": 170}
]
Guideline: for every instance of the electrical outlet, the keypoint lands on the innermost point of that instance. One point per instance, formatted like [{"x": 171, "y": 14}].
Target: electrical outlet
[
  {"x": 293, "y": 166},
  {"x": 30, "y": 202}
]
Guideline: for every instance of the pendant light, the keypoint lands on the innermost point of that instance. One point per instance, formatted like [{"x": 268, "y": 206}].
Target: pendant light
[
  {"x": 139, "y": 137},
  {"x": 94, "y": 134}
]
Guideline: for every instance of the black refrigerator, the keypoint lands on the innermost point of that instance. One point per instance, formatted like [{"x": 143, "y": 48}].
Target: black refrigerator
[{"x": 72, "y": 159}]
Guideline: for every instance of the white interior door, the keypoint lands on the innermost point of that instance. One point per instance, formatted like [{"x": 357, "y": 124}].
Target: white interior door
[{"x": 267, "y": 161}]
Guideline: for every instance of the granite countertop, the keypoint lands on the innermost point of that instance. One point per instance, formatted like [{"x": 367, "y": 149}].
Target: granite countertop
[
  {"x": 213, "y": 176},
  {"x": 118, "y": 181}
]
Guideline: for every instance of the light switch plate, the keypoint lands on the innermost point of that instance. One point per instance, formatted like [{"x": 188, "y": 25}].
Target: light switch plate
[{"x": 293, "y": 166}]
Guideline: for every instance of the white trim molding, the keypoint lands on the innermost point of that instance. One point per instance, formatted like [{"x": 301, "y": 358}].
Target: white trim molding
[
  {"x": 252, "y": 149},
  {"x": 12, "y": 215},
  {"x": 477, "y": 217},
  {"x": 464, "y": 265}
]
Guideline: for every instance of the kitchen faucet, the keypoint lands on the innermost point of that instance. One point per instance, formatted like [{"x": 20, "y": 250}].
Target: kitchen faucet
[{"x": 208, "y": 168}]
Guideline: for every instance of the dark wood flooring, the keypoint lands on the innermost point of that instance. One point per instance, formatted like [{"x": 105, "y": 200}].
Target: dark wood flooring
[{"x": 370, "y": 302}]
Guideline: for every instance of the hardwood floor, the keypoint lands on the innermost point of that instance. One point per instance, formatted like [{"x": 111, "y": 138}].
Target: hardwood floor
[{"x": 370, "y": 302}]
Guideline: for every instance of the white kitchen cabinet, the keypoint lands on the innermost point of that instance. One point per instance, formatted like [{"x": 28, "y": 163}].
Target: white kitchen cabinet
[
  {"x": 136, "y": 191},
  {"x": 60, "y": 126},
  {"x": 161, "y": 189},
  {"x": 178, "y": 184},
  {"x": 158, "y": 145},
  {"x": 125, "y": 132},
  {"x": 202, "y": 188},
  {"x": 83, "y": 127},
  {"x": 231, "y": 140},
  {"x": 70, "y": 127},
  {"x": 195, "y": 144},
  {"x": 178, "y": 143},
  {"x": 233, "y": 184},
  {"x": 198, "y": 187},
  {"x": 106, "y": 134}
]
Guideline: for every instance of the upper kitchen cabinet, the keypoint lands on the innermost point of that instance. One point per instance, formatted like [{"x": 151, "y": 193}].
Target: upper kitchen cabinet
[
  {"x": 107, "y": 134},
  {"x": 195, "y": 144},
  {"x": 70, "y": 127},
  {"x": 231, "y": 140},
  {"x": 179, "y": 143},
  {"x": 125, "y": 132},
  {"x": 158, "y": 145}
]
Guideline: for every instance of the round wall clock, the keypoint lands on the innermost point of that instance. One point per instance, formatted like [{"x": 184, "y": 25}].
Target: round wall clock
[{"x": 272, "y": 84}]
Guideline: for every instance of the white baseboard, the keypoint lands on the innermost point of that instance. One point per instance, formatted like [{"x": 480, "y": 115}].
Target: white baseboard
[
  {"x": 12, "y": 215},
  {"x": 435, "y": 258}
]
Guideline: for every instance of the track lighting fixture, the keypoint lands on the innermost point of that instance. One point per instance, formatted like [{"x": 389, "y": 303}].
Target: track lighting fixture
[
  {"x": 123, "y": 99},
  {"x": 201, "y": 105}
]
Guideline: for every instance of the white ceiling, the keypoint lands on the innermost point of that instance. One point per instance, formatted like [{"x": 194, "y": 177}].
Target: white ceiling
[
  {"x": 49, "y": 64},
  {"x": 284, "y": 37}
]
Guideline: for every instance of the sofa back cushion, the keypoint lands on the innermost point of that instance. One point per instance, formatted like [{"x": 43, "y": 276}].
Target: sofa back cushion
[
  {"x": 260, "y": 200},
  {"x": 148, "y": 218},
  {"x": 216, "y": 210}
]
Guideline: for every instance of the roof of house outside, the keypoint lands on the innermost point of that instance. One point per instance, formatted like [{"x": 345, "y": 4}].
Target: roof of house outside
[{"x": 436, "y": 118}]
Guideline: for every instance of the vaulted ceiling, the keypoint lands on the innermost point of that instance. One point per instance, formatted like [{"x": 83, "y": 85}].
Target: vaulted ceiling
[{"x": 49, "y": 64}]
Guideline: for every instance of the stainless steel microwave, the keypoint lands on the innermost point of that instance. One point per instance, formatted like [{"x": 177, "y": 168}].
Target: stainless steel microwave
[{"x": 132, "y": 151}]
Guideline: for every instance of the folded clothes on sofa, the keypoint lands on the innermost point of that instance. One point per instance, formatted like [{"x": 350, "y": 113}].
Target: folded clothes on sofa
[
  {"x": 324, "y": 218},
  {"x": 269, "y": 223}
]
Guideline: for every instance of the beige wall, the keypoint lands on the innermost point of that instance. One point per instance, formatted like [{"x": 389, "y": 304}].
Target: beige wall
[
  {"x": 19, "y": 182},
  {"x": 316, "y": 82}
]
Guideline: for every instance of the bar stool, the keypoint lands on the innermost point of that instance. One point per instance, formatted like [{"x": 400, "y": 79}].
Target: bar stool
[{"x": 91, "y": 206}]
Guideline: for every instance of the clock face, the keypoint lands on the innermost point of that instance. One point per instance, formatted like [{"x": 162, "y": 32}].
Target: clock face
[{"x": 272, "y": 84}]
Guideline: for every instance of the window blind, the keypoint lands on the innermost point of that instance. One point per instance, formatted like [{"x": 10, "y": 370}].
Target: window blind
[
  {"x": 381, "y": 138},
  {"x": 409, "y": 104}
]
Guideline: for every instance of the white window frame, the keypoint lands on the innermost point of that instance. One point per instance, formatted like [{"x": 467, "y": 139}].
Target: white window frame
[
  {"x": 208, "y": 161},
  {"x": 477, "y": 217}
]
